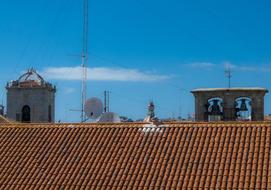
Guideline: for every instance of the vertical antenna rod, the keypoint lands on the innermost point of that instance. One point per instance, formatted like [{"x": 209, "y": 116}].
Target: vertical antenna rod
[
  {"x": 84, "y": 59},
  {"x": 180, "y": 106},
  {"x": 106, "y": 101},
  {"x": 228, "y": 73}
]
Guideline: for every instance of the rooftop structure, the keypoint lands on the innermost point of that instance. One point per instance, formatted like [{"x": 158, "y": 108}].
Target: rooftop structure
[
  {"x": 229, "y": 104},
  {"x": 130, "y": 156},
  {"x": 30, "y": 99},
  {"x": 31, "y": 79}
]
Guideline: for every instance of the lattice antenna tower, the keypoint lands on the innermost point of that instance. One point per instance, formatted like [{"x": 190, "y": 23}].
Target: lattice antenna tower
[
  {"x": 84, "y": 57},
  {"x": 106, "y": 101},
  {"x": 228, "y": 73}
]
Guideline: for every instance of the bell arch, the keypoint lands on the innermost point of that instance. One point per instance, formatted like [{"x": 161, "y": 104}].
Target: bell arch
[
  {"x": 214, "y": 109},
  {"x": 50, "y": 113},
  {"x": 243, "y": 109},
  {"x": 26, "y": 114}
]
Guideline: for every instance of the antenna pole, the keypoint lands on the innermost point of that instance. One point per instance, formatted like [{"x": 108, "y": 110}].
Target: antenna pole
[
  {"x": 180, "y": 108},
  {"x": 84, "y": 57},
  {"x": 228, "y": 72},
  {"x": 106, "y": 101}
]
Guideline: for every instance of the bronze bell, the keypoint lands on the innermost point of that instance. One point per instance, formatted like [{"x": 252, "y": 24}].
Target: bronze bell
[
  {"x": 243, "y": 106},
  {"x": 215, "y": 109}
]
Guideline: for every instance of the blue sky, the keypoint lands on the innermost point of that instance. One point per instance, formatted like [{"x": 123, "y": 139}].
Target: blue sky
[{"x": 139, "y": 50}]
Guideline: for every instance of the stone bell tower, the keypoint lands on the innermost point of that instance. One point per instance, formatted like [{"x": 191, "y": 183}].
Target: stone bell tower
[
  {"x": 31, "y": 99},
  {"x": 229, "y": 104}
]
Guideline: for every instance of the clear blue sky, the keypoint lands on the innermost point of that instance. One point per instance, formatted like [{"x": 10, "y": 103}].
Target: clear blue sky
[{"x": 139, "y": 50}]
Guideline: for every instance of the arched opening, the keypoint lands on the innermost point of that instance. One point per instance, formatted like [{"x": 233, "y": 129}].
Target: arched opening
[
  {"x": 26, "y": 117},
  {"x": 49, "y": 113},
  {"x": 214, "y": 109},
  {"x": 243, "y": 109}
]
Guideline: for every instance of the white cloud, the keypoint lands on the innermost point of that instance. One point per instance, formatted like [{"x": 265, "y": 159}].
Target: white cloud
[
  {"x": 101, "y": 74},
  {"x": 255, "y": 69},
  {"x": 70, "y": 90},
  {"x": 229, "y": 65},
  {"x": 239, "y": 68},
  {"x": 206, "y": 65},
  {"x": 242, "y": 68}
]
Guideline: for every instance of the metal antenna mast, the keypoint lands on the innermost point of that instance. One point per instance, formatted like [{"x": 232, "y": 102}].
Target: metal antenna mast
[
  {"x": 84, "y": 57},
  {"x": 228, "y": 73},
  {"x": 106, "y": 101},
  {"x": 180, "y": 106}
]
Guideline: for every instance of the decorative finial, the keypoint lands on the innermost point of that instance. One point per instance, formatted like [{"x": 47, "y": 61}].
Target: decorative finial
[{"x": 32, "y": 70}]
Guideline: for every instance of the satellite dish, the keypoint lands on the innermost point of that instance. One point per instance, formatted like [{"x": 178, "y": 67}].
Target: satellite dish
[
  {"x": 93, "y": 108},
  {"x": 109, "y": 117}
]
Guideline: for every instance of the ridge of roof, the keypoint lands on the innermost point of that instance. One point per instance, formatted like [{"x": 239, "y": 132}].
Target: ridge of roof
[{"x": 136, "y": 125}]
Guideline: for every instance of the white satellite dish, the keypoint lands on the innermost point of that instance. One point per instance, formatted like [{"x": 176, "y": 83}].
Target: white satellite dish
[
  {"x": 93, "y": 108},
  {"x": 109, "y": 117}
]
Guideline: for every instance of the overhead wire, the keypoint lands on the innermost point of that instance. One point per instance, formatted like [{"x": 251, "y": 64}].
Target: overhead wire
[
  {"x": 14, "y": 67},
  {"x": 175, "y": 86},
  {"x": 29, "y": 41},
  {"x": 125, "y": 66},
  {"x": 55, "y": 24}
]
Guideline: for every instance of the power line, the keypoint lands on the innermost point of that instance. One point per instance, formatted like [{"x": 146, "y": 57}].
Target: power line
[{"x": 30, "y": 39}]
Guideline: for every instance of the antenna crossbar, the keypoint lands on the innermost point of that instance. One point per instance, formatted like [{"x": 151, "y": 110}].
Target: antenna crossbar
[
  {"x": 228, "y": 73},
  {"x": 84, "y": 59}
]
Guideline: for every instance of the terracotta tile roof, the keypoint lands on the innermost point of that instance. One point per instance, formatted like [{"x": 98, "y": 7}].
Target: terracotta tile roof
[
  {"x": 4, "y": 120},
  {"x": 130, "y": 156}
]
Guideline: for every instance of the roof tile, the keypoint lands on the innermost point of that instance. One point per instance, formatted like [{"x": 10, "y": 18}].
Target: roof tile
[{"x": 127, "y": 156}]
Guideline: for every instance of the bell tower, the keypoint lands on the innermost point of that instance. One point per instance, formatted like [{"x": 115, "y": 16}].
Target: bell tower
[
  {"x": 229, "y": 104},
  {"x": 31, "y": 99}
]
